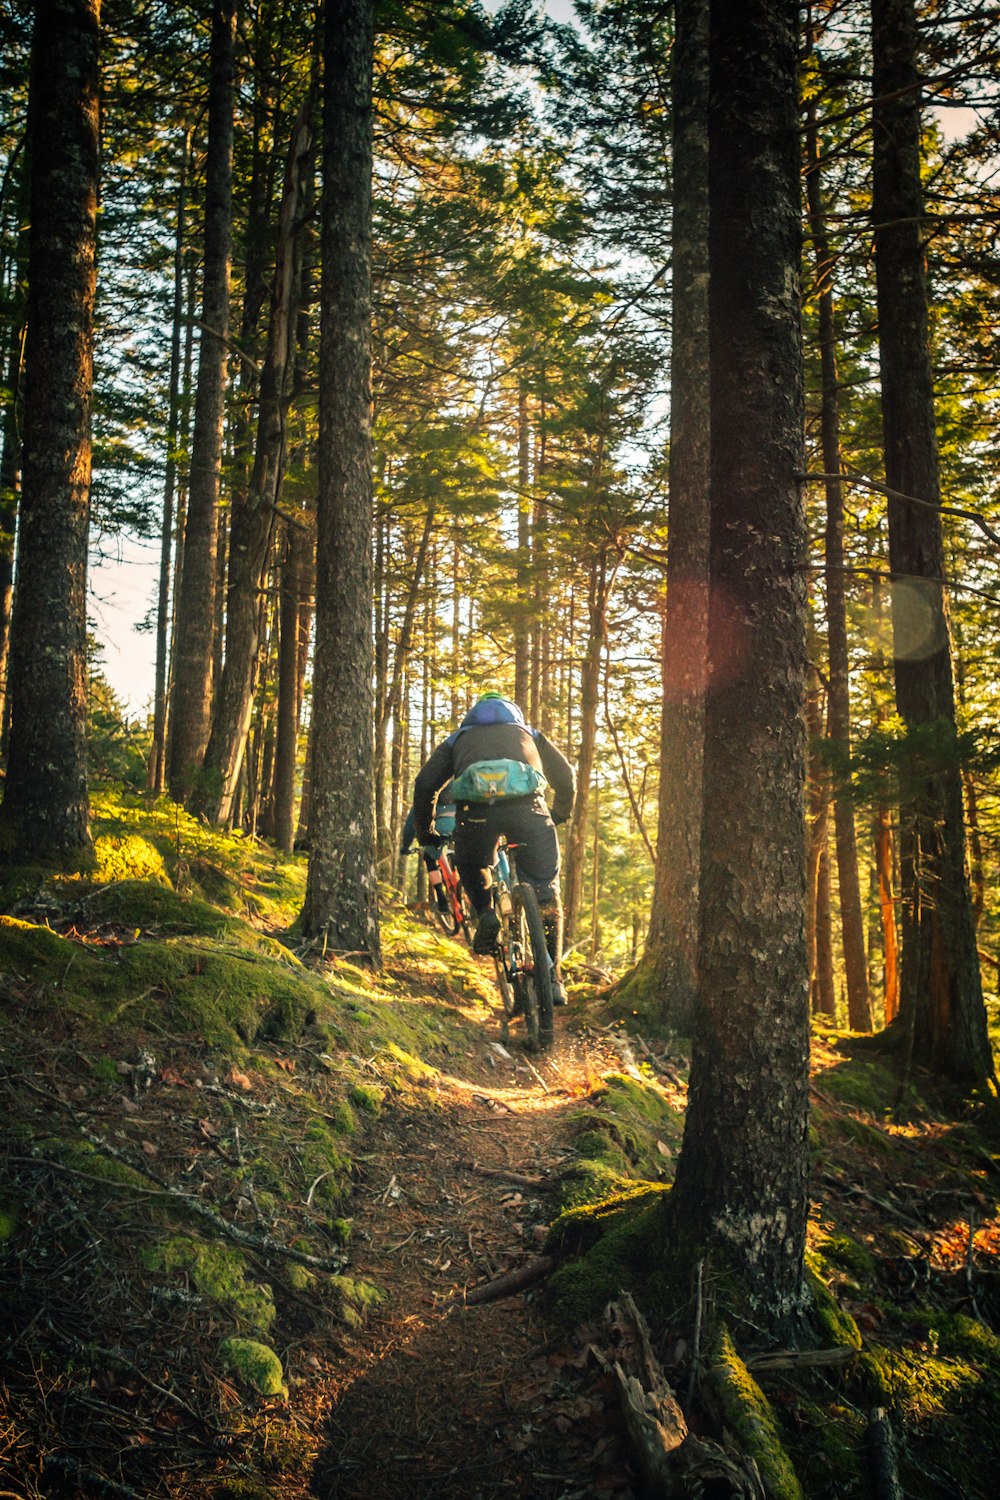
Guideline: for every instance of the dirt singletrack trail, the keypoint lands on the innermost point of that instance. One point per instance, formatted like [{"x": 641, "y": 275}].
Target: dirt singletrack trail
[{"x": 433, "y": 1398}]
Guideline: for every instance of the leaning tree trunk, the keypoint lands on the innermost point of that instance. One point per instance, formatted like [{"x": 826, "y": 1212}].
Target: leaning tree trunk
[
  {"x": 741, "y": 1188},
  {"x": 341, "y": 905},
  {"x": 45, "y": 812},
  {"x": 859, "y": 1008},
  {"x": 195, "y": 624},
  {"x": 941, "y": 998},
  {"x": 672, "y": 943},
  {"x": 253, "y": 521}
]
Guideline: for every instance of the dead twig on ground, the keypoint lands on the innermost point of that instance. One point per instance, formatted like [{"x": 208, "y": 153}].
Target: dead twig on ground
[
  {"x": 518, "y": 1179},
  {"x": 507, "y": 1285}
]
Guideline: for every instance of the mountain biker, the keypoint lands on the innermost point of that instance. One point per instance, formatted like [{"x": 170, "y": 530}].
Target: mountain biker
[
  {"x": 444, "y": 823},
  {"x": 499, "y": 767}
]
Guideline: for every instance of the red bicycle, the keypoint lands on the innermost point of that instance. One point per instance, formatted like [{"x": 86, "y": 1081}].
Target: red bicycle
[{"x": 450, "y": 905}]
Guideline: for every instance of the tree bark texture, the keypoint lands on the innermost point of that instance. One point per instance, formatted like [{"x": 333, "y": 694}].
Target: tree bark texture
[
  {"x": 741, "y": 1189},
  {"x": 672, "y": 943},
  {"x": 341, "y": 905},
  {"x": 293, "y": 577},
  {"x": 10, "y": 459},
  {"x": 45, "y": 812},
  {"x": 941, "y": 1000},
  {"x": 838, "y": 726},
  {"x": 601, "y": 583},
  {"x": 522, "y": 618},
  {"x": 157, "y": 770},
  {"x": 195, "y": 628},
  {"x": 253, "y": 519}
]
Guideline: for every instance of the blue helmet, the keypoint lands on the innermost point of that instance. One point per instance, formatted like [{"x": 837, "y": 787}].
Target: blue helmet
[{"x": 493, "y": 708}]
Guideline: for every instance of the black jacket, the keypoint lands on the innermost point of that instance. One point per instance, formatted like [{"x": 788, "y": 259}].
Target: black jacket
[{"x": 492, "y": 742}]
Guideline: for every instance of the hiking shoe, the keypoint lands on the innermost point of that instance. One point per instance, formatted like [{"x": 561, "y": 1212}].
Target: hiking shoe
[
  {"x": 558, "y": 992},
  {"x": 487, "y": 932}
]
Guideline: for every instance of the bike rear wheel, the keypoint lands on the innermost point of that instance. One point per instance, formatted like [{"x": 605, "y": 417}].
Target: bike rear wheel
[
  {"x": 445, "y": 917},
  {"x": 536, "y": 977}
]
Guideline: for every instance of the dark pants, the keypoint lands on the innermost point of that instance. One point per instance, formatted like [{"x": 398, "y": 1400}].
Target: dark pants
[{"x": 524, "y": 821}]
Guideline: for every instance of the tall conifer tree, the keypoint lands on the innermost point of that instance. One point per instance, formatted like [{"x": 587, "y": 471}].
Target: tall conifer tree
[
  {"x": 45, "y": 810},
  {"x": 741, "y": 1186},
  {"x": 341, "y": 904}
]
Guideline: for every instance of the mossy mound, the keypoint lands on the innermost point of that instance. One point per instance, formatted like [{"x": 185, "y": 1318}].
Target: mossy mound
[
  {"x": 616, "y": 1245},
  {"x": 227, "y": 994},
  {"x": 219, "y": 1272},
  {"x": 255, "y": 1364}
]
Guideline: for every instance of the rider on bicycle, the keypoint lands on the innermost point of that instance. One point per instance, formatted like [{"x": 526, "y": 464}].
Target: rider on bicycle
[
  {"x": 444, "y": 823},
  {"x": 499, "y": 768}
]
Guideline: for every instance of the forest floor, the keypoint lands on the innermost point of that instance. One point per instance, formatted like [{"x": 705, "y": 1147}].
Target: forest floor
[{"x": 247, "y": 1209}]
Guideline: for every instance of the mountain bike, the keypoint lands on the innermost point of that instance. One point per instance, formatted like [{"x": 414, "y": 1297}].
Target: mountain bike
[
  {"x": 524, "y": 968},
  {"x": 447, "y": 899},
  {"x": 453, "y": 914}
]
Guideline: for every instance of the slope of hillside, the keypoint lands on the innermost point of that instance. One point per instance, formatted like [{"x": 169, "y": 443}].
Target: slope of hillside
[{"x": 248, "y": 1209}]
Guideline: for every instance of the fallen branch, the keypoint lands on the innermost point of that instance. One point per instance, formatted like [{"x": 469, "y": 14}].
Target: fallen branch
[
  {"x": 265, "y": 1244},
  {"x": 507, "y": 1285},
  {"x": 800, "y": 1359},
  {"x": 518, "y": 1179}
]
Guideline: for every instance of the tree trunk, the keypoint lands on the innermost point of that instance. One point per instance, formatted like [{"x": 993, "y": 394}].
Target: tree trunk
[
  {"x": 157, "y": 769},
  {"x": 818, "y": 940},
  {"x": 341, "y": 905},
  {"x": 45, "y": 811},
  {"x": 941, "y": 998},
  {"x": 601, "y": 583},
  {"x": 823, "y": 993},
  {"x": 838, "y": 726},
  {"x": 389, "y": 711},
  {"x": 195, "y": 629},
  {"x": 10, "y": 461},
  {"x": 522, "y": 618},
  {"x": 253, "y": 520},
  {"x": 673, "y": 930},
  {"x": 289, "y": 699},
  {"x": 741, "y": 1188}
]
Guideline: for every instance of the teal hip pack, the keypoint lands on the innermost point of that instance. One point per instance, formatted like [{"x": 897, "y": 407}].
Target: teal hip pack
[{"x": 493, "y": 780}]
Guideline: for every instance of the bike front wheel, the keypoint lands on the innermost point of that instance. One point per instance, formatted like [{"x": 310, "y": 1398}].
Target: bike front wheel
[{"x": 536, "y": 976}]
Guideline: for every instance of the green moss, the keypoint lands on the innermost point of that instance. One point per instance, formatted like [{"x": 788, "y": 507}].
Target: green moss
[
  {"x": 746, "y": 1412},
  {"x": 255, "y": 1364},
  {"x": 325, "y": 1166},
  {"x": 128, "y": 857},
  {"x": 355, "y": 1298},
  {"x": 847, "y": 1253},
  {"x": 219, "y": 1272},
  {"x": 916, "y": 1383},
  {"x": 618, "y": 1244},
  {"x": 8, "y": 1224},
  {"x": 343, "y": 1118},
  {"x": 863, "y": 1083},
  {"x": 105, "y": 1069},
  {"x": 837, "y": 1327},
  {"x": 228, "y": 993},
  {"x": 827, "y": 1444},
  {"x": 367, "y": 1097}
]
